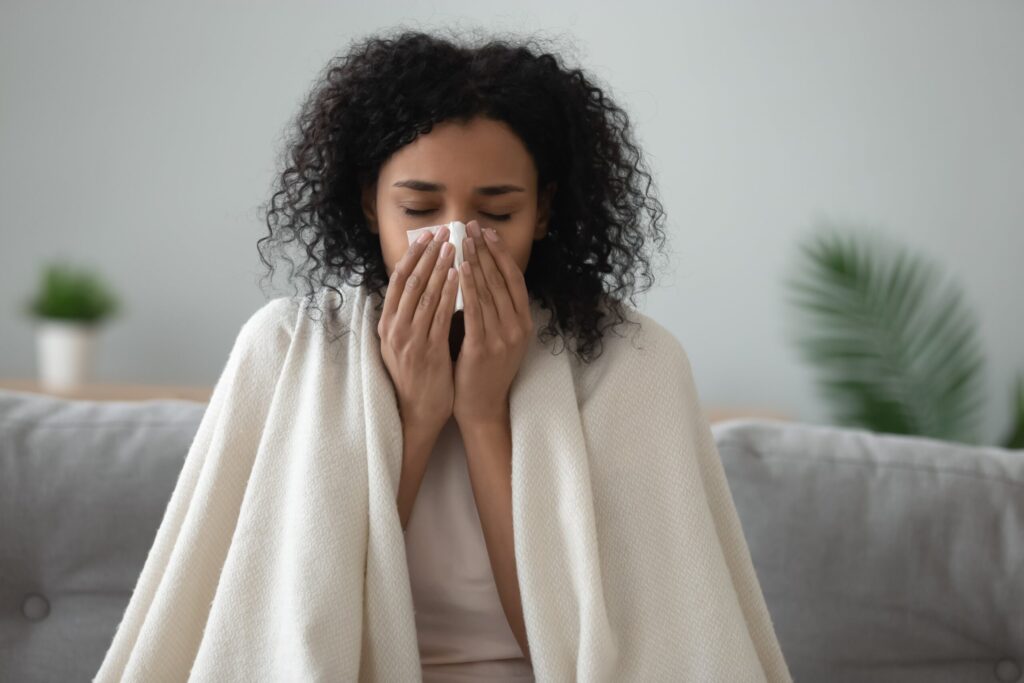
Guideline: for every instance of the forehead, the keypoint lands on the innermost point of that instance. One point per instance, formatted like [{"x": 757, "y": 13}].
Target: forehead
[{"x": 477, "y": 151}]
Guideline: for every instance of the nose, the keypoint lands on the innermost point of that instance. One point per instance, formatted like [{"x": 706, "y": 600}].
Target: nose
[
  {"x": 456, "y": 219},
  {"x": 458, "y": 229}
]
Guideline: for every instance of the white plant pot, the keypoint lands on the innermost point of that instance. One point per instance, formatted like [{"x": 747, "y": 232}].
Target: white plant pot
[{"x": 66, "y": 353}]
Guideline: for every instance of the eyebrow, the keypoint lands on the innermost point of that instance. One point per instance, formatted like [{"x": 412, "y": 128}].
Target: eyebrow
[{"x": 489, "y": 190}]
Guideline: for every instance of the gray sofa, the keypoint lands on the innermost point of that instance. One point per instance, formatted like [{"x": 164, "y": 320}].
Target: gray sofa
[{"x": 882, "y": 558}]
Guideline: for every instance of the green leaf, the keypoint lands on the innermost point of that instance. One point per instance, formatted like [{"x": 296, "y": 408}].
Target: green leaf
[
  {"x": 896, "y": 352},
  {"x": 68, "y": 293},
  {"x": 1015, "y": 438}
]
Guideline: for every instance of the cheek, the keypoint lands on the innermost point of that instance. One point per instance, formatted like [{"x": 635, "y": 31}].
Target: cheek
[
  {"x": 393, "y": 247},
  {"x": 520, "y": 245},
  {"x": 520, "y": 251}
]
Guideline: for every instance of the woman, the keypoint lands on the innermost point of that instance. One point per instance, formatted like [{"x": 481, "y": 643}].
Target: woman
[
  {"x": 427, "y": 132},
  {"x": 515, "y": 468}
]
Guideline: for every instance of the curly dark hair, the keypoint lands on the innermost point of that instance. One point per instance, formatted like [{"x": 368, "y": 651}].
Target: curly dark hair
[{"x": 388, "y": 89}]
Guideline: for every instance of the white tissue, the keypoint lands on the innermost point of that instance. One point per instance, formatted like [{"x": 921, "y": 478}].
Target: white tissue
[{"x": 456, "y": 233}]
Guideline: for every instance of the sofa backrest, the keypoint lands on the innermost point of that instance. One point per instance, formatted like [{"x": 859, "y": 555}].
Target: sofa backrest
[
  {"x": 883, "y": 557},
  {"x": 83, "y": 487}
]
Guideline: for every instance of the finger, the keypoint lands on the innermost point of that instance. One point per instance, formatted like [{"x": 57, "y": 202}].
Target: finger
[
  {"x": 424, "y": 314},
  {"x": 495, "y": 278},
  {"x": 399, "y": 276},
  {"x": 417, "y": 281},
  {"x": 484, "y": 295},
  {"x": 441, "y": 327},
  {"x": 472, "y": 316},
  {"x": 514, "y": 279}
]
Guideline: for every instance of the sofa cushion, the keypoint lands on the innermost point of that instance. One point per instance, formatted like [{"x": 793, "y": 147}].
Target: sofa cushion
[
  {"x": 883, "y": 557},
  {"x": 83, "y": 487}
]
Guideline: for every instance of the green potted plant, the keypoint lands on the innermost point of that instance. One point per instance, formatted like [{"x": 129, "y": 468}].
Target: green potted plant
[
  {"x": 896, "y": 347},
  {"x": 68, "y": 308}
]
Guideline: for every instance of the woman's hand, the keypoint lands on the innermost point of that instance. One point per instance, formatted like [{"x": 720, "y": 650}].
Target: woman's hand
[
  {"x": 413, "y": 331},
  {"x": 498, "y": 328}
]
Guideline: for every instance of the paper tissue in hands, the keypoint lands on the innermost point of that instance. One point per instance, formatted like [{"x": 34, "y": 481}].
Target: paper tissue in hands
[{"x": 456, "y": 233}]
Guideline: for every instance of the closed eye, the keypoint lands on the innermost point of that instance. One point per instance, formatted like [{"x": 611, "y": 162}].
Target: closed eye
[{"x": 423, "y": 212}]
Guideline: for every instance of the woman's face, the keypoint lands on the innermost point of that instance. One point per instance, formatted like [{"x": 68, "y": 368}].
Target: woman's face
[{"x": 459, "y": 172}]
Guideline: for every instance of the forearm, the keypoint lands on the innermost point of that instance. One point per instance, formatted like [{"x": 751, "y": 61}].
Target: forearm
[
  {"x": 416, "y": 449},
  {"x": 489, "y": 456}
]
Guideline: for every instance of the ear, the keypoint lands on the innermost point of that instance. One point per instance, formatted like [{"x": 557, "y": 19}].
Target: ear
[
  {"x": 369, "y": 205},
  {"x": 544, "y": 210}
]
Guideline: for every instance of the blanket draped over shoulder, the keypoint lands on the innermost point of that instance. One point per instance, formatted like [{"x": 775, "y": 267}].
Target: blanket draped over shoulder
[{"x": 281, "y": 557}]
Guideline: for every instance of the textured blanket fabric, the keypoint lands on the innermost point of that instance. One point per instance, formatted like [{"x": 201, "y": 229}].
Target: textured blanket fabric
[{"x": 280, "y": 555}]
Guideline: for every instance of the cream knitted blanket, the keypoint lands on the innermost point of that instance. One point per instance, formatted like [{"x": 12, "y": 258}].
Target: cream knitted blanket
[{"x": 281, "y": 557}]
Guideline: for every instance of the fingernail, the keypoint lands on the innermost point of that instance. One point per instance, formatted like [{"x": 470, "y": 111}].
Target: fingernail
[
  {"x": 470, "y": 247},
  {"x": 490, "y": 234},
  {"x": 424, "y": 238}
]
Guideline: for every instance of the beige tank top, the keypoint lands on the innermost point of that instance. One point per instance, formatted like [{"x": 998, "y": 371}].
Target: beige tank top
[{"x": 461, "y": 627}]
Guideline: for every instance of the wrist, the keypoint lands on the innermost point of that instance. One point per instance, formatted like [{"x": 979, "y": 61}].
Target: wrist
[
  {"x": 420, "y": 433},
  {"x": 421, "y": 423},
  {"x": 481, "y": 413},
  {"x": 483, "y": 421}
]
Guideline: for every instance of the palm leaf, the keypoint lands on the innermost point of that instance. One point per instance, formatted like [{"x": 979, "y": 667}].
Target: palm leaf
[
  {"x": 896, "y": 348},
  {"x": 1015, "y": 439}
]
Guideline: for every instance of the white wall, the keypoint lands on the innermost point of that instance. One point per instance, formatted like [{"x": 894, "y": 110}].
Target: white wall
[{"x": 141, "y": 137}]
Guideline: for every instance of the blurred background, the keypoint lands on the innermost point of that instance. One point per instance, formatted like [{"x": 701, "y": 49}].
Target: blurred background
[{"x": 137, "y": 140}]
